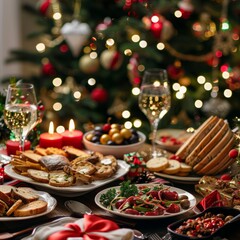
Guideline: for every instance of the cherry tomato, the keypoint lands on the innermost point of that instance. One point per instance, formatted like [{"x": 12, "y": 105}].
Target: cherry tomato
[
  {"x": 119, "y": 203},
  {"x": 153, "y": 194},
  {"x": 169, "y": 195},
  {"x": 173, "y": 208},
  {"x": 226, "y": 177},
  {"x": 131, "y": 211}
]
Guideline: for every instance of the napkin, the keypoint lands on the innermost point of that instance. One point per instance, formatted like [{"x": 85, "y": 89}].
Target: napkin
[
  {"x": 90, "y": 227},
  {"x": 213, "y": 199}
]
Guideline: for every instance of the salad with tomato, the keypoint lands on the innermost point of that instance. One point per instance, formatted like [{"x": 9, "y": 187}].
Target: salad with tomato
[{"x": 145, "y": 200}]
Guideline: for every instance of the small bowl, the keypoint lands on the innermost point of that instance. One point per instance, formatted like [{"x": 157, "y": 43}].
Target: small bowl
[
  {"x": 214, "y": 210},
  {"x": 116, "y": 150}
]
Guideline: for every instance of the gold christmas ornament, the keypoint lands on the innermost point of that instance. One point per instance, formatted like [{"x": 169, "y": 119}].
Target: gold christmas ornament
[
  {"x": 88, "y": 65},
  {"x": 205, "y": 28}
]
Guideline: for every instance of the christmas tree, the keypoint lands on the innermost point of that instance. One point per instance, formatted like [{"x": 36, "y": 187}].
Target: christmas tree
[{"x": 92, "y": 55}]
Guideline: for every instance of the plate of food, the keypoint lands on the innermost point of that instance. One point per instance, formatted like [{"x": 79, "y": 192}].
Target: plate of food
[
  {"x": 21, "y": 203},
  {"x": 76, "y": 189},
  {"x": 145, "y": 201},
  {"x": 171, "y": 139}
]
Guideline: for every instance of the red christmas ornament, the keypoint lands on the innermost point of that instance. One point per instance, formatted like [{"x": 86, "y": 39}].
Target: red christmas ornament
[
  {"x": 44, "y": 5},
  {"x": 234, "y": 79},
  {"x": 64, "y": 48},
  {"x": 186, "y": 8},
  {"x": 99, "y": 95},
  {"x": 175, "y": 71},
  {"x": 48, "y": 69},
  {"x": 133, "y": 72}
]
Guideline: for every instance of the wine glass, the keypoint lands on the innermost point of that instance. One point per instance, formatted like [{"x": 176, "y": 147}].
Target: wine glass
[
  {"x": 20, "y": 113},
  {"x": 154, "y": 100}
]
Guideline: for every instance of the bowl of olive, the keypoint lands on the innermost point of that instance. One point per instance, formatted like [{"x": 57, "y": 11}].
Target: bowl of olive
[{"x": 113, "y": 139}]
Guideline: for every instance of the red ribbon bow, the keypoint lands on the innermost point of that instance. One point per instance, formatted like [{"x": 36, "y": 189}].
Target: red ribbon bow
[{"x": 92, "y": 224}]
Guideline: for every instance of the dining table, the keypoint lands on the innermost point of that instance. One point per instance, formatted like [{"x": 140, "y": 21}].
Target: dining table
[{"x": 146, "y": 226}]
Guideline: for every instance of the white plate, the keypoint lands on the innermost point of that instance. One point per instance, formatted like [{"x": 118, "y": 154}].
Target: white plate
[
  {"x": 52, "y": 202},
  {"x": 74, "y": 190},
  {"x": 179, "y": 134},
  {"x": 179, "y": 179},
  {"x": 191, "y": 198}
]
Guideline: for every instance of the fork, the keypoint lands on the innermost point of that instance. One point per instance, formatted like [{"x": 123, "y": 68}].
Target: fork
[{"x": 154, "y": 236}]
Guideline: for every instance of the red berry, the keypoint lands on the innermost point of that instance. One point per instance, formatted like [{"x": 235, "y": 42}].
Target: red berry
[
  {"x": 226, "y": 177},
  {"x": 233, "y": 153},
  {"x": 106, "y": 127}
]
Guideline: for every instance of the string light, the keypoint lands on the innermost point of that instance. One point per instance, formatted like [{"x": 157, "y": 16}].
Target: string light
[
  {"x": 201, "y": 79},
  {"x": 57, "y": 82},
  {"x": 126, "y": 114},
  {"x": 160, "y": 46},
  {"x": 137, "y": 123},
  {"x": 91, "y": 81},
  {"x": 143, "y": 44},
  {"x": 198, "y": 104},
  {"x": 136, "y": 91},
  {"x": 60, "y": 129},
  {"x": 57, "y": 106},
  {"x": 227, "y": 93},
  {"x": 135, "y": 38},
  {"x": 40, "y": 47},
  {"x": 128, "y": 125}
]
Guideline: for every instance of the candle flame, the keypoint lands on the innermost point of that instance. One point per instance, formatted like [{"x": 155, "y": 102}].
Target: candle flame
[
  {"x": 71, "y": 125},
  {"x": 51, "y": 128}
]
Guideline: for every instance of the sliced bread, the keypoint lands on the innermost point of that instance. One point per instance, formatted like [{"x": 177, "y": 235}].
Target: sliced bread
[
  {"x": 31, "y": 208},
  {"x": 38, "y": 175}
]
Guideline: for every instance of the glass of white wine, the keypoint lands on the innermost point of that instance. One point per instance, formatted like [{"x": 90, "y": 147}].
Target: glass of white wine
[
  {"x": 20, "y": 113},
  {"x": 154, "y": 100}
]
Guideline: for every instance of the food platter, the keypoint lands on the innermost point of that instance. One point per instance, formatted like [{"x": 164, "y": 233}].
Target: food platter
[
  {"x": 191, "y": 179},
  {"x": 52, "y": 203},
  {"x": 171, "y": 139},
  {"x": 74, "y": 190},
  {"x": 180, "y": 192}
]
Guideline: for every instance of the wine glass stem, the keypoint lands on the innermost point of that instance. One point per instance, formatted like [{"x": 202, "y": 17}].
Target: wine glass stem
[
  {"x": 21, "y": 144},
  {"x": 154, "y": 125}
]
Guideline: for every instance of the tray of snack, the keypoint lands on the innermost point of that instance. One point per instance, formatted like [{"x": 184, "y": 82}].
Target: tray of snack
[
  {"x": 20, "y": 203},
  {"x": 205, "y": 152},
  {"x": 67, "y": 170},
  {"x": 172, "y": 139}
]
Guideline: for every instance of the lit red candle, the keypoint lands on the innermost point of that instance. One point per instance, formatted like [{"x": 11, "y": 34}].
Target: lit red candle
[
  {"x": 12, "y": 146},
  {"x": 50, "y": 139},
  {"x": 72, "y": 137}
]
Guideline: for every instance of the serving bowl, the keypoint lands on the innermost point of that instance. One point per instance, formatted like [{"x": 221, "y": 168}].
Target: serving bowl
[
  {"x": 116, "y": 150},
  {"x": 226, "y": 211}
]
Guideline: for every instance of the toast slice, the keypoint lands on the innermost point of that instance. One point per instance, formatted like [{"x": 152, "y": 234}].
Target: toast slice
[
  {"x": 38, "y": 175},
  {"x": 25, "y": 194},
  {"x": 7, "y": 189},
  {"x": 60, "y": 178},
  {"x": 31, "y": 208},
  {"x": 31, "y": 156}
]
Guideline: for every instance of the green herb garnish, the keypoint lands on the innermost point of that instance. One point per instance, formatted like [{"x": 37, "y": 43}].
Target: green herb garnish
[{"x": 127, "y": 189}]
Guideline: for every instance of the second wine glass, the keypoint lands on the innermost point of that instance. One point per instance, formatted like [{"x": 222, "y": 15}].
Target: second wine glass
[
  {"x": 20, "y": 114},
  {"x": 155, "y": 100}
]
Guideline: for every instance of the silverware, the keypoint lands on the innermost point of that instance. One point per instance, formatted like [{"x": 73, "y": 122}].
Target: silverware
[
  {"x": 11, "y": 235},
  {"x": 8, "y": 235},
  {"x": 154, "y": 236},
  {"x": 79, "y": 209}
]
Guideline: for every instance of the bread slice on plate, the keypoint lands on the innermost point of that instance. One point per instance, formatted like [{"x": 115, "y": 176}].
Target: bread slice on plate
[
  {"x": 7, "y": 189},
  {"x": 59, "y": 178},
  {"x": 38, "y": 175},
  {"x": 25, "y": 194},
  {"x": 192, "y": 157},
  {"x": 31, "y": 208},
  {"x": 196, "y": 137}
]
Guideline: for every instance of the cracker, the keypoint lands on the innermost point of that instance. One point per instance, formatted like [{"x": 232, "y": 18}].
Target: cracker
[{"x": 157, "y": 164}]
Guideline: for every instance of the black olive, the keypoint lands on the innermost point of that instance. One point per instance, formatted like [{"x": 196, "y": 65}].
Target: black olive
[{"x": 185, "y": 203}]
